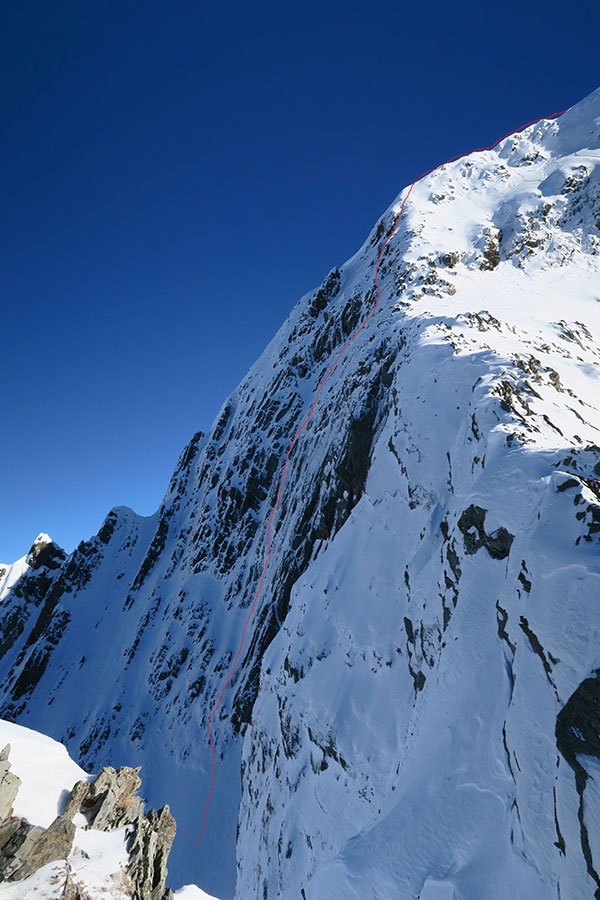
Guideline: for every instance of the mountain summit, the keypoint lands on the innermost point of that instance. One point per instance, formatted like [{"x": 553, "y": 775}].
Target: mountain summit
[{"x": 415, "y": 711}]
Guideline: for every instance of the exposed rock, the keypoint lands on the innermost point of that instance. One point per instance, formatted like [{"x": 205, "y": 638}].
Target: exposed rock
[
  {"x": 108, "y": 803},
  {"x": 9, "y": 785},
  {"x": 72, "y": 891},
  {"x": 470, "y": 409},
  {"x": 491, "y": 252},
  {"x": 149, "y": 847},
  {"x": 22, "y": 841},
  {"x": 37, "y": 849},
  {"x": 328, "y": 290},
  {"x": 44, "y": 552},
  {"x": 111, "y": 801},
  {"x": 472, "y": 522},
  {"x": 578, "y": 723}
]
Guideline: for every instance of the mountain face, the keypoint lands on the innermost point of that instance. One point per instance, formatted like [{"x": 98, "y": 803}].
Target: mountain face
[{"x": 416, "y": 708}]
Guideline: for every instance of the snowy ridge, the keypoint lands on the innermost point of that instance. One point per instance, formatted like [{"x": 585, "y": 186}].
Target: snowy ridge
[
  {"x": 430, "y": 608},
  {"x": 10, "y": 574}
]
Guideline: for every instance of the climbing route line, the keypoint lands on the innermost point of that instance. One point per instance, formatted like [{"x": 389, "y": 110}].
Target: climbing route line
[{"x": 294, "y": 441}]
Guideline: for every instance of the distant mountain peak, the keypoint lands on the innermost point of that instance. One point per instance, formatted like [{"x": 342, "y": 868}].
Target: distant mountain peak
[{"x": 44, "y": 552}]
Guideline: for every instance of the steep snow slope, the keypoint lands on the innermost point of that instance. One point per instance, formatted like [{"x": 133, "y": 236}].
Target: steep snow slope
[
  {"x": 408, "y": 706},
  {"x": 414, "y": 714},
  {"x": 43, "y": 552}
]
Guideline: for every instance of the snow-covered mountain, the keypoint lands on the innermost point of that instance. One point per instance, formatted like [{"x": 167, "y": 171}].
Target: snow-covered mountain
[{"x": 416, "y": 708}]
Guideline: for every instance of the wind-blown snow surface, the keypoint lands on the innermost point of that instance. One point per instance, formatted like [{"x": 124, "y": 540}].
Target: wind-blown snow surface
[{"x": 431, "y": 604}]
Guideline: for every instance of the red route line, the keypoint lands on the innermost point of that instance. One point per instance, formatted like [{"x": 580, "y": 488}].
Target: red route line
[{"x": 301, "y": 429}]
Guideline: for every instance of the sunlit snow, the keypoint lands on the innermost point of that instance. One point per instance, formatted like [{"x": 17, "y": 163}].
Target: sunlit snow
[{"x": 431, "y": 602}]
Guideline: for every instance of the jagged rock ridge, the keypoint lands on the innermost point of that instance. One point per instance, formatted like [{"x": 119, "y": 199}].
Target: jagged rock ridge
[
  {"x": 429, "y": 608},
  {"x": 106, "y": 804}
]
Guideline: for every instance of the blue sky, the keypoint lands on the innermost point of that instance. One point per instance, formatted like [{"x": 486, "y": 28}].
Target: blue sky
[{"x": 176, "y": 175}]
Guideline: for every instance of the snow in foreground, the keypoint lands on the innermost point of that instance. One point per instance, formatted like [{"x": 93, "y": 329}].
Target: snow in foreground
[{"x": 98, "y": 859}]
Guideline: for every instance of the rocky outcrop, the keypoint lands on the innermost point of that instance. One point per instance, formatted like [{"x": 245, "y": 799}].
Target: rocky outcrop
[
  {"x": 9, "y": 785},
  {"x": 45, "y": 553},
  {"x": 472, "y": 525},
  {"x": 111, "y": 801},
  {"x": 25, "y": 848},
  {"x": 149, "y": 847},
  {"x": 108, "y": 803}
]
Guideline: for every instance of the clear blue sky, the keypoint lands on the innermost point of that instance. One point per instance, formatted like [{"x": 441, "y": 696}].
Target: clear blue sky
[{"x": 175, "y": 175}]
